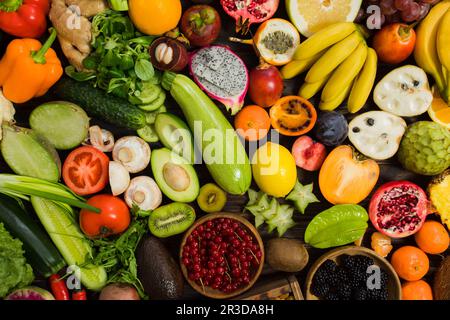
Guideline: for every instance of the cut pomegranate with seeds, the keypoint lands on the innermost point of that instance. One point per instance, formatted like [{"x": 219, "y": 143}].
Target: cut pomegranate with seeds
[
  {"x": 247, "y": 12},
  {"x": 398, "y": 209}
]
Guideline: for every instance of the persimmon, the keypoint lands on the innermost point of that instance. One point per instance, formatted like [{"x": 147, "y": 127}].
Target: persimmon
[
  {"x": 344, "y": 178},
  {"x": 410, "y": 263},
  {"x": 252, "y": 123}
]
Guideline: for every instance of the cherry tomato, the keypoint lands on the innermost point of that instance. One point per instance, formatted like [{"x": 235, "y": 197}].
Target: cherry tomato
[
  {"x": 85, "y": 170},
  {"x": 394, "y": 43},
  {"x": 114, "y": 217}
]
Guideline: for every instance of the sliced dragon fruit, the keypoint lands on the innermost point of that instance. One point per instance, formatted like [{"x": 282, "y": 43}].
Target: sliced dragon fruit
[{"x": 222, "y": 75}]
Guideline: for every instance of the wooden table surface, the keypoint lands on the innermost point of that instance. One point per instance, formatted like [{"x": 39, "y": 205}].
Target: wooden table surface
[{"x": 389, "y": 170}]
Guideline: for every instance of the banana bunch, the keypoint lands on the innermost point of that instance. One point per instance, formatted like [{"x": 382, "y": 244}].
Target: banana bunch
[
  {"x": 338, "y": 61},
  {"x": 432, "y": 51}
]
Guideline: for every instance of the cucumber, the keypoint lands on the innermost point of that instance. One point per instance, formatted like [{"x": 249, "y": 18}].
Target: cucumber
[
  {"x": 148, "y": 133},
  {"x": 150, "y": 117},
  {"x": 155, "y": 104},
  {"x": 231, "y": 168},
  {"x": 99, "y": 104},
  {"x": 39, "y": 249},
  {"x": 148, "y": 94},
  {"x": 175, "y": 135},
  {"x": 29, "y": 154},
  {"x": 71, "y": 243},
  {"x": 63, "y": 124}
]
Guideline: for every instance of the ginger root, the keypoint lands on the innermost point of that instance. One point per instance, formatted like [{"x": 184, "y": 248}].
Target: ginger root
[{"x": 70, "y": 18}]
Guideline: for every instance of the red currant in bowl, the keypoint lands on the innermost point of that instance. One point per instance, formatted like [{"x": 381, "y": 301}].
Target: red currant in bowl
[{"x": 221, "y": 255}]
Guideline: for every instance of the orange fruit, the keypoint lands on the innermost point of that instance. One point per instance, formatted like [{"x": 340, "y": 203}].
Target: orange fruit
[
  {"x": 381, "y": 244},
  {"x": 432, "y": 238},
  {"x": 155, "y": 17},
  {"x": 410, "y": 263},
  {"x": 439, "y": 110},
  {"x": 252, "y": 123},
  {"x": 416, "y": 290}
]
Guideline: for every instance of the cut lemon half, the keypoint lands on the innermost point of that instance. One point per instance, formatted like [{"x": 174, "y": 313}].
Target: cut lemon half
[
  {"x": 309, "y": 16},
  {"x": 439, "y": 110}
]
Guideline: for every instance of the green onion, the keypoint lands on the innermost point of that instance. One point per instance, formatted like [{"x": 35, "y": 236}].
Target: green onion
[{"x": 23, "y": 187}]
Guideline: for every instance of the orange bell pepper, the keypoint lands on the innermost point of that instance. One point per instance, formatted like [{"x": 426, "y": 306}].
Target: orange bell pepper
[{"x": 28, "y": 69}]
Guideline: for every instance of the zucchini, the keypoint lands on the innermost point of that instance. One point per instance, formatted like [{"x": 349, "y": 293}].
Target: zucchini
[
  {"x": 71, "y": 243},
  {"x": 39, "y": 249},
  {"x": 229, "y": 167},
  {"x": 99, "y": 104}
]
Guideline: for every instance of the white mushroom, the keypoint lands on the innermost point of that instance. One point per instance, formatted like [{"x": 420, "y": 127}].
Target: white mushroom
[
  {"x": 133, "y": 152},
  {"x": 404, "y": 92},
  {"x": 119, "y": 178},
  {"x": 143, "y": 192},
  {"x": 100, "y": 138}
]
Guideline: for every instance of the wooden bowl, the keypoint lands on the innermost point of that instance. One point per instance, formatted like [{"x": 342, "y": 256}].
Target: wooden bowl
[
  {"x": 208, "y": 291},
  {"x": 394, "y": 285}
]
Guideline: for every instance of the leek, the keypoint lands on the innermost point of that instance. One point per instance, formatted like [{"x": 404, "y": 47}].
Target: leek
[{"x": 23, "y": 187}]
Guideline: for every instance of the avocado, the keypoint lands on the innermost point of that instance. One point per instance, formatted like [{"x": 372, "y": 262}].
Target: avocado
[
  {"x": 174, "y": 175},
  {"x": 175, "y": 135},
  {"x": 158, "y": 271}
]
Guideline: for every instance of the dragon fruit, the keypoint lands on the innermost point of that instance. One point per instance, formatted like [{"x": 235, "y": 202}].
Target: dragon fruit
[{"x": 222, "y": 75}]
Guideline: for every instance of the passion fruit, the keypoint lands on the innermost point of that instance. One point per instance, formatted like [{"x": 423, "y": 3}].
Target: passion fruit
[
  {"x": 293, "y": 116},
  {"x": 276, "y": 41}
]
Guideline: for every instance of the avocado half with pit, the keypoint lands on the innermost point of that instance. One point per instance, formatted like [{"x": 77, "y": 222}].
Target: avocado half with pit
[
  {"x": 175, "y": 135},
  {"x": 174, "y": 175}
]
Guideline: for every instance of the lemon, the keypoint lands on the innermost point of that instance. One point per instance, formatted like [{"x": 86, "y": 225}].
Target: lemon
[
  {"x": 439, "y": 110},
  {"x": 309, "y": 16},
  {"x": 274, "y": 169}
]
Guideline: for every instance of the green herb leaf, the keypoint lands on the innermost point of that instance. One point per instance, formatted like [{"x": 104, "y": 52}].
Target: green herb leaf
[
  {"x": 79, "y": 76},
  {"x": 144, "y": 70}
]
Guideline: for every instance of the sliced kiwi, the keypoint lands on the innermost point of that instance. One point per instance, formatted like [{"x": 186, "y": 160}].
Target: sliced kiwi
[
  {"x": 171, "y": 219},
  {"x": 211, "y": 198}
]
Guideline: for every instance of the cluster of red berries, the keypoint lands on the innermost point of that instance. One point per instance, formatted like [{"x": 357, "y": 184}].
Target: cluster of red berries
[{"x": 221, "y": 254}]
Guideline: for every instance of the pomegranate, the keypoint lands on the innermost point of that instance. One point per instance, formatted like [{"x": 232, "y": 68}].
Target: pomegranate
[
  {"x": 266, "y": 85},
  {"x": 398, "y": 209},
  {"x": 247, "y": 12}
]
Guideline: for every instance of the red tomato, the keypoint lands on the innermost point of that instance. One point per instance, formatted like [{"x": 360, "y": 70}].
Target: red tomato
[
  {"x": 394, "y": 43},
  {"x": 85, "y": 170},
  {"x": 114, "y": 216}
]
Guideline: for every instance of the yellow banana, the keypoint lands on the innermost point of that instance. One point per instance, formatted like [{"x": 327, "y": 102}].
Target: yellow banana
[
  {"x": 295, "y": 67},
  {"x": 363, "y": 83},
  {"x": 333, "y": 104},
  {"x": 425, "y": 52},
  {"x": 333, "y": 57},
  {"x": 443, "y": 50},
  {"x": 308, "y": 90},
  {"x": 345, "y": 73},
  {"x": 323, "y": 39}
]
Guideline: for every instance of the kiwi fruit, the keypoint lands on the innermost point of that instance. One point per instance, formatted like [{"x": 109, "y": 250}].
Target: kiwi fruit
[
  {"x": 171, "y": 219},
  {"x": 288, "y": 255},
  {"x": 211, "y": 198}
]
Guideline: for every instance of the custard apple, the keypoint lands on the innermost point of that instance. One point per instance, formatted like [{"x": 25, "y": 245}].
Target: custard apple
[{"x": 425, "y": 148}]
